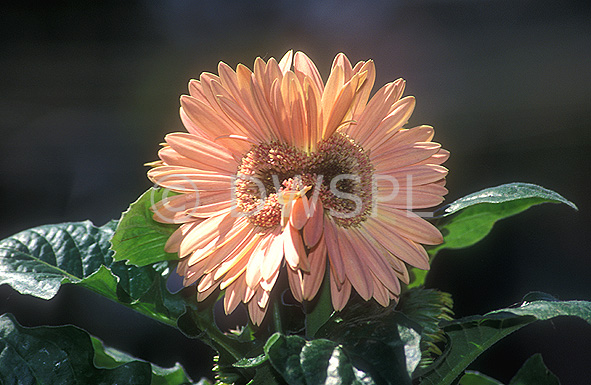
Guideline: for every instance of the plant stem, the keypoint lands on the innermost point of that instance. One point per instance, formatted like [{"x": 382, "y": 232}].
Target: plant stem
[
  {"x": 277, "y": 318},
  {"x": 217, "y": 337},
  {"x": 322, "y": 310}
]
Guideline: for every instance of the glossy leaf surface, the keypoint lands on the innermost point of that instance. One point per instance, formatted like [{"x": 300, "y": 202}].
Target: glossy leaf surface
[
  {"x": 470, "y": 336},
  {"x": 139, "y": 239}
]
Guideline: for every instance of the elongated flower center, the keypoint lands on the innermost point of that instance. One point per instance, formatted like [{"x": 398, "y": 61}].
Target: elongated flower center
[{"x": 339, "y": 173}]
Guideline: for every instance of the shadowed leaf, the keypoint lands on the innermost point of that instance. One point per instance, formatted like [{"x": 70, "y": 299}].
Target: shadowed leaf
[
  {"x": 58, "y": 355},
  {"x": 315, "y": 362},
  {"x": 534, "y": 372},
  {"x": 470, "y": 336}
]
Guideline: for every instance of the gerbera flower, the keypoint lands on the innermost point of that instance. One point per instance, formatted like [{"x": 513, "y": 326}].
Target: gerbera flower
[{"x": 281, "y": 170}]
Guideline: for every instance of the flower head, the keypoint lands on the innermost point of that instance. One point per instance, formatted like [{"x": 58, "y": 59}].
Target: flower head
[{"x": 279, "y": 169}]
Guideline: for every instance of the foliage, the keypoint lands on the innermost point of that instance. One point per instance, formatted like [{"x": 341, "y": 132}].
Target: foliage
[
  {"x": 416, "y": 342},
  {"x": 68, "y": 355},
  {"x": 467, "y": 220},
  {"x": 138, "y": 238}
]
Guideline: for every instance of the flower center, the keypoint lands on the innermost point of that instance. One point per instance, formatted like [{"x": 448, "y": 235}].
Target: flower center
[{"x": 339, "y": 173}]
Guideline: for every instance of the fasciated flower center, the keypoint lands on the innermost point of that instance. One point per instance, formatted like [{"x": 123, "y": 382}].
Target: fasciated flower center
[{"x": 339, "y": 173}]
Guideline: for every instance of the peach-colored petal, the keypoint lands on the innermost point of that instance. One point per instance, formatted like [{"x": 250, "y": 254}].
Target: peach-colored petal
[
  {"x": 440, "y": 157},
  {"x": 333, "y": 88},
  {"x": 280, "y": 112},
  {"x": 173, "y": 243},
  {"x": 391, "y": 159},
  {"x": 410, "y": 225},
  {"x": 314, "y": 227},
  {"x": 294, "y": 277},
  {"x": 228, "y": 79},
  {"x": 233, "y": 296},
  {"x": 365, "y": 88},
  {"x": 376, "y": 110},
  {"x": 206, "y": 283},
  {"x": 256, "y": 312},
  {"x": 232, "y": 271},
  {"x": 191, "y": 127},
  {"x": 201, "y": 153},
  {"x": 185, "y": 179},
  {"x": 380, "y": 294},
  {"x": 212, "y": 229},
  {"x": 235, "y": 243},
  {"x": 245, "y": 124},
  {"x": 417, "y": 175},
  {"x": 389, "y": 125},
  {"x": 261, "y": 98},
  {"x": 339, "y": 292},
  {"x": 340, "y": 109},
  {"x": 205, "y": 118},
  {"x": 304, "y": 66},
  {"x": 293, "y": 246},
  {"x": 375, "y": 261},
  {"x": 253, "y": 271},
  {"x": 313, "y": 115},
  {"x": 414, "y": 197},
  {"x": 231, "y": 253},
  {"x": 357, "y": 273},
  {"x": 413, "y": 135},
  {"x": 193, "y": 274},
  {"x": 311, "y": 281},
  {"x": 254, "y": 102},
  {"x": 174, "y": 209},
  {"x": 263, "y": 301},
  {"x": 341, "y": 61},
  {"x": 299, "y": 212},
  {"x": 269, "y": 283},
  {"x": 334, "y": 253},
  {"x": 402, "y": 248},
  {"x": 273, "y": 255},
  {"x": 285, "y": 62},
  {"x": 208, "y": 210},
  {"x": 238, "y": 144}
]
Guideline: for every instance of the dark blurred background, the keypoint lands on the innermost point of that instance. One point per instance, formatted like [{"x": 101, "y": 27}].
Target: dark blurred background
[{"x": 89, "y": 89}]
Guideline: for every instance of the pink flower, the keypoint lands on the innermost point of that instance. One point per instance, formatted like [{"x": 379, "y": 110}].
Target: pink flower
[{"x": 279, "y": 170}]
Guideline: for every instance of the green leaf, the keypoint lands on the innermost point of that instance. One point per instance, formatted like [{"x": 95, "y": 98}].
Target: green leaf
[
  {"x": 534, "y": 372},
  {"x": 427, "y": 307},
  {"x": 417, "y": 277},
  {"x": 385, "y": 339},
  {"x": 469, "y": 337},
  {"x": 106, "y": 357},
  {"x": 38, "y": 261},
  {"x": 247, "y": 362},
  {"x": 506, "y": 193},
  {"x": 58, "y": 355},
  {"x": 469, "y": 219},
  {"x": 205, "y": 381},
  {"x": 139, "y": 239},
  {"x": 476, "y": 378},
  {"x": 266, "y": 375},
  {"x": 200, "y": 323},
  {"x": 314, "y": 362},
  {"x": 284, "y": 354},
  {"x": 238, "y": 354},
  {"x": 322, "y": 308}
]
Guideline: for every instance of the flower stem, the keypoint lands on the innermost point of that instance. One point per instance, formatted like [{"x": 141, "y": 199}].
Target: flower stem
[
  {"x": 277, "y": 324},
  {"x": 321, "y": 311}
]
